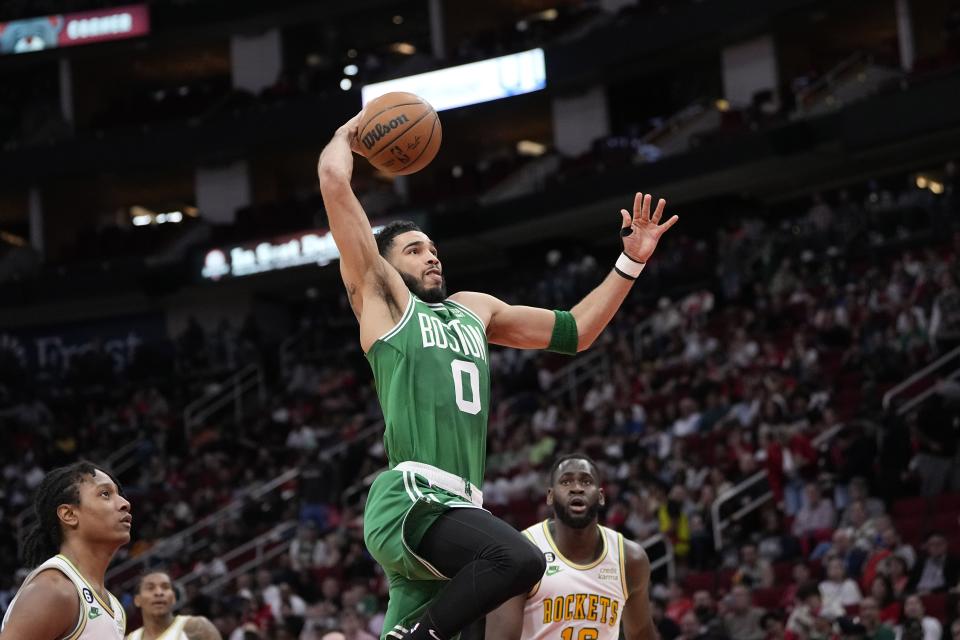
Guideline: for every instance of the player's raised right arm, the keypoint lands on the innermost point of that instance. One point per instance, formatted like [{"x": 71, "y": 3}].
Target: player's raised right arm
[
  {"x": 360, "y": 261},
  {"x": 47, "y": 609}
]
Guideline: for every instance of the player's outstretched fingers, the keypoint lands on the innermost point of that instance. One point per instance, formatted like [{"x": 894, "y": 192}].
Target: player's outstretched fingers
[
  {"x": 645, "y": 210},
  {"x": 637, "y": 205},
  {"x": 658, "y": 211},
  {"x": 669, "y": 223}
]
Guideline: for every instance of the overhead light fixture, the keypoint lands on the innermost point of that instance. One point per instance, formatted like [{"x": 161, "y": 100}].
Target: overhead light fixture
[
  {"x": 936, "y": 187},
  {"x": 403, "y": 48},
  {"x": 397, "y": 19},
  {"x": 351, "y": 53},
  {"x": 345, "y": 84},
  {"x": 173, "y": 216},
  {"x": 141, "y": 216},
  {"x": 314, "y": 59},
  {"x": 723, "y": 105},
  {"x": 547, "y": 14},
  {"x": 531, "y": 148},
  {"x": 12, "y": 239},
  {"x": 351, "y": 70},
  {"x": 922, "y": 182}
]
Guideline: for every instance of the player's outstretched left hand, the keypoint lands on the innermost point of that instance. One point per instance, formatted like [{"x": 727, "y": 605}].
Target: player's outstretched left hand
[{"x": 641, "y": 232}]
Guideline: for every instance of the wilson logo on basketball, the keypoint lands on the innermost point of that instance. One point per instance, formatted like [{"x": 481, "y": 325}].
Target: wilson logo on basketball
[{"x": 381, "y": 129}]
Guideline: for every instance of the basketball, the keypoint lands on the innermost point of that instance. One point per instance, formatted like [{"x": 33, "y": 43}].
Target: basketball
[{"x": 400, "y": 133}]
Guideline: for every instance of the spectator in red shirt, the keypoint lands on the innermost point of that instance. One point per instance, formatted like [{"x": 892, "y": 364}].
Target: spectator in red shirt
[
  {"x": 897, "y": 571},
  {"x": 678, "y": 604},
  {"x": 882, "y": 592},
  {"x": 801, "y": 576},
  {"x": 789, "y": 456}
]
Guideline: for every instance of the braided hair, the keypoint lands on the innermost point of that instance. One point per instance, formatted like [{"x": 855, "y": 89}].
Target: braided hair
[{"x": 59, "y": 486}]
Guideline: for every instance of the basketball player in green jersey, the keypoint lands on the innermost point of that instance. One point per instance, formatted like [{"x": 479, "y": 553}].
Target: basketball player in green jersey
[
  {"x": 596, "y": 580},
  {"x": 82, "y": 520},
  {"x": 448, "y": 561},
  {"x": 156, "y": 597}
]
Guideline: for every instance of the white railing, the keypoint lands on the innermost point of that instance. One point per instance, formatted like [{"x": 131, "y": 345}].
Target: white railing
[
  {"x": 260, "y": 546},
  {"x": 568, "y": 378},
  {"x": 666, "y": 560},
  {"x": 902, "y": 389},
  {"x": 234, "y": 390},
  {"x": 907, "y": 386},
  {"x": 265, "y": 553},
  {"x": 124, "y": 458},
  {"x": 806, "y": 96},
  {"x": 675, "y": 122},
  {"x": 528, "y": 178},
  {"x": 719, "y": 524},
  {"x": 640, "y": 332},
  {"x": 183, "y": 541},
  {"x": 186, "y": 541}
]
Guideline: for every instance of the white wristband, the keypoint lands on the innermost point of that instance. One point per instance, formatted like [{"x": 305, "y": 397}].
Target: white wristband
[{"x": 628, "y": 267}]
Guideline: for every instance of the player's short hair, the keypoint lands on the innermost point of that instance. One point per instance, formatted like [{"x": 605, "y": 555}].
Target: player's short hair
[
  {"x": 59, "y": 486},
  {"x": 552, "y": 476},
  {"x": 150, "y": 572},
  {"x": 386, "y": 235}
]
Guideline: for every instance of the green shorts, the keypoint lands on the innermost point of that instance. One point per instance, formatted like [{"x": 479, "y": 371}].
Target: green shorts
[{"x": 400, "y": 508}]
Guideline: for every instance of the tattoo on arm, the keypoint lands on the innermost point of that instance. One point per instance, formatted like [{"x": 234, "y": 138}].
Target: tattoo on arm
[
  {"x": 199, "y": 628},
  {"x": 352, "y": 292},
  {"x": 383, "y": 290}
]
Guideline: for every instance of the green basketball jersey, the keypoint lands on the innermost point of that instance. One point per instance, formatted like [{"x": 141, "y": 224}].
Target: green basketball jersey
[{"x": 433, "y": 380}]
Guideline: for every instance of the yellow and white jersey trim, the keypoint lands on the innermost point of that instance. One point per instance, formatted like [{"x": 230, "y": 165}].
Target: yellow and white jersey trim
[
  {"x": 173, "y": 632},
  {"x": 97, "y": 620},
  {"x": 575, "y": 601}
]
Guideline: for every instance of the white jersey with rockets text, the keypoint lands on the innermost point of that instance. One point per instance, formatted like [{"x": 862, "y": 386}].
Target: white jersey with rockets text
[
  {"x": 574, "y": 601},
  {"x": 98, "y": 620},
  {"x": 173, "y": 632}
]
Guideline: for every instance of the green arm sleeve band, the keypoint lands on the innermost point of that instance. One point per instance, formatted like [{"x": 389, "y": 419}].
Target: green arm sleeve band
[{"x": 564, "y": 339}]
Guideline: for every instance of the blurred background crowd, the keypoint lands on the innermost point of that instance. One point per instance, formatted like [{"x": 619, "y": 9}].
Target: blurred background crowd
[{"x": 775, "y": 408}]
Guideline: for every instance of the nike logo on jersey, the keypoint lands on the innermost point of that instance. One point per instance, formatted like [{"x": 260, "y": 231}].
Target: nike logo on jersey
[
  {"x": 94, "y": 613},
  {"x": 553, "y": 570}
]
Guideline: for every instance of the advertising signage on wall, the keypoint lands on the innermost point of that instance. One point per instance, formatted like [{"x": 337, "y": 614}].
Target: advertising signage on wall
[
  {"x": 472, "y": 83},
  {"x": 314, "y": 247},
  {"x": 72, "y": 29},
  {"x": 57, "y": 349}
]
